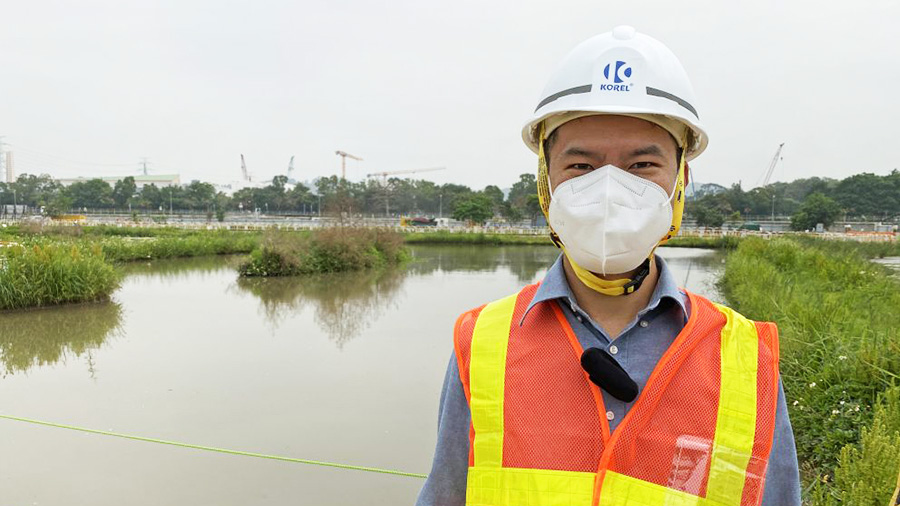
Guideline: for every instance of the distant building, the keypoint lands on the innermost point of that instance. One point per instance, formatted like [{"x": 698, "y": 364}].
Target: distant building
[
  {"x": 10, "y": 172},
  {"x": 141, "y": 180}
]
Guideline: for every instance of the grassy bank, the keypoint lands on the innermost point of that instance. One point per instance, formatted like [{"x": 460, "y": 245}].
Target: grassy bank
[
  {"x": 43, "y": 273},
  {"x": 840, "y": 357},
  {"x": 325, "y": 250},
  {"x": 446, "y": 237},
  {"x": 125, "y": 249}
]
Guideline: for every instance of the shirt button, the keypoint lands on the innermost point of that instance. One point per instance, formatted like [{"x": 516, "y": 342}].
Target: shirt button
[
  {"x": 613, "y": 349},
  {"x": 644, "y": 323},
  {"x": 610, "y": 415},
  {"x": 578, "y": 317}
]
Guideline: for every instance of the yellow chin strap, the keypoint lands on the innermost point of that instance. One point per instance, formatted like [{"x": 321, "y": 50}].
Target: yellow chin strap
[{"x": 623, "y": 286}]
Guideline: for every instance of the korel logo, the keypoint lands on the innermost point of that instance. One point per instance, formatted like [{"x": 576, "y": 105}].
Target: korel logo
[{"x": 618, "y": 75}]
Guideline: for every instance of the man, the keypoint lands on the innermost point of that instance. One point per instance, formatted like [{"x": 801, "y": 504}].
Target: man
[{"x": 679, "y": 400}]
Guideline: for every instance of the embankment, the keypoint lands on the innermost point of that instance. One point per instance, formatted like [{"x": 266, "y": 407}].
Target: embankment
[{"x": 839, "y": 328}]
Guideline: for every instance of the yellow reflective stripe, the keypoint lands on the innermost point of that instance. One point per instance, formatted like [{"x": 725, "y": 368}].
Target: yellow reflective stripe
[
  {"x": 487, "y": 378},
  {"x": 528, "y": 487},
  {"x": 733, "y": 440},
  {"x": 621, "y": 490},
  {"x": 736, "y": 417}
]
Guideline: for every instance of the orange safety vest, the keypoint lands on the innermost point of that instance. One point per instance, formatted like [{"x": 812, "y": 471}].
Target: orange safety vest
[{"x": 699, "y": 434}]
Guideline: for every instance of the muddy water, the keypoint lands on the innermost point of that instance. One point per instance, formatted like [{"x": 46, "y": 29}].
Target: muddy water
[{"x": 343, "y": 368}]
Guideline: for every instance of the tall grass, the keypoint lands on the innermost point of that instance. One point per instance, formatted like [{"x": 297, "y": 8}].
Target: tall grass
[
  {"x": 42, "y": 273},
  {"x": 334, "y": 249},
  {"x": 839, "y": 325}
]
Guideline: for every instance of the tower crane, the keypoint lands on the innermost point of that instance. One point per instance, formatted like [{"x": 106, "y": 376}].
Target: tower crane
[
  {"x": 344, "y": 157},
  {"x": 385, "y": 175},
  {"x": 772, "y": 164}
]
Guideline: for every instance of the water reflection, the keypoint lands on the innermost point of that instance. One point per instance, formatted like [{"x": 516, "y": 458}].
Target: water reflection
[
  {"x": 46, "y": 336},
  {"x": 523, "y": 261},
  {"x": 182, "y": 268},
  {"x": 344, "y": 304}
]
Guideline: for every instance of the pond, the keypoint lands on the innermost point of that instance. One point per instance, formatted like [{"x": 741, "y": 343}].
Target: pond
[{"x": 342, "y": 368}]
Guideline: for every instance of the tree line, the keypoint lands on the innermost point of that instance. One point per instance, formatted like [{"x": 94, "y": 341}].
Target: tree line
[
  {"x": 331, "y": 196},
  {"x": 807, "y": 202}
]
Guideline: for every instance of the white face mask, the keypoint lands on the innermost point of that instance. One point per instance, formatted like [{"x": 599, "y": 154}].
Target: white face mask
[{"x": 609, "y": 220}]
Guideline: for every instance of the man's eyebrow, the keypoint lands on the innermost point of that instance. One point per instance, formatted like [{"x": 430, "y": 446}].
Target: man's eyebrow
[
  {"x": 577, "y": 151},
  {"x": 652, "y": 149}
]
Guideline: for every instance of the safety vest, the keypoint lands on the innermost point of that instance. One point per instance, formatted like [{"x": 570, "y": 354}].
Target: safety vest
[{"x": 699, "y": 434}]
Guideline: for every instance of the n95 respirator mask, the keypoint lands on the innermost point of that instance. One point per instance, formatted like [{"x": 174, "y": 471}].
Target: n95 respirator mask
[{"x": 609, "y": 220}]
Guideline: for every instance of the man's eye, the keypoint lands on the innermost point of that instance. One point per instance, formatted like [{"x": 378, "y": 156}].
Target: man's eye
[
  {"x": 581, "y": 166},
  {"x": 642, "y": 165}
]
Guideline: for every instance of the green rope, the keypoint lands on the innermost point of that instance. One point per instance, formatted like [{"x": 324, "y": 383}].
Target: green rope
[{"x": 213, "y": 449}]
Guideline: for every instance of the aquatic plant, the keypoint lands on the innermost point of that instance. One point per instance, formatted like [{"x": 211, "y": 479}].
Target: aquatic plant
[
  {"x": 333, "y": 249},
  {"x": 124, "y": 249},
  {"x": 42, "y": 273}
]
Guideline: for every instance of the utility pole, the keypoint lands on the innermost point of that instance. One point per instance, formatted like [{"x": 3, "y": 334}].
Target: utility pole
[
  {"x": 773, "y": 207},
  {"x": 441, "y": 205},
  {"x": 144, "y": 164}
]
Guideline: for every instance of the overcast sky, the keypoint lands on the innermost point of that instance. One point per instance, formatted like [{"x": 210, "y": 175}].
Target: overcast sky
[{"x": 89, "y": 87}]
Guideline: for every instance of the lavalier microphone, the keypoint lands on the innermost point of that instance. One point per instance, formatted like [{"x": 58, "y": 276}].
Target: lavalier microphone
[{"x": 607, "y": 374}]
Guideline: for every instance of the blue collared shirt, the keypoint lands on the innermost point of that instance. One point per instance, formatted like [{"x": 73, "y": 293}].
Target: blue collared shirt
[{"x": 638, "y": 348}]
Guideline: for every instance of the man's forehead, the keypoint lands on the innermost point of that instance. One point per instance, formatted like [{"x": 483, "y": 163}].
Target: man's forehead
[{"x": 605, "y": 132}]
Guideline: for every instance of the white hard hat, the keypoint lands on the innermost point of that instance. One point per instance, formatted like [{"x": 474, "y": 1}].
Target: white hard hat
[{"x": 625, "y": 73}]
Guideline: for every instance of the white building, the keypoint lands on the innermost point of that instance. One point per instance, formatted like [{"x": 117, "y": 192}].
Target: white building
[{"x": 10, "y": 172}]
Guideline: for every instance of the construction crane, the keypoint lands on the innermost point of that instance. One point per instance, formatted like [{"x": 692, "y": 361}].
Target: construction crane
[
  {"x": 290, "y": 171},
  {"x": 244, "y": 170},
  {"x": 385, "y": 175},
  {"x": 344, "y": 157},
  {"x": 772, "y": 164}
]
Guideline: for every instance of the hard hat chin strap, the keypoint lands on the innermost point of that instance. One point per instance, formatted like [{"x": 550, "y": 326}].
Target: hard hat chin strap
[{"x": 613, "y": 287}]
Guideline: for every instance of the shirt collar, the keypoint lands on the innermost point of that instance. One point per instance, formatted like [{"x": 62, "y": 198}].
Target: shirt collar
[{"x": 555, "y": 286}]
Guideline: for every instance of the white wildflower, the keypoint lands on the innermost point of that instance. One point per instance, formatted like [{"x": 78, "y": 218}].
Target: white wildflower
[{"x": 812, "y": 385}]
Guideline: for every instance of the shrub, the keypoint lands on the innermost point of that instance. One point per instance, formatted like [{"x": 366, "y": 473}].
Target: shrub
[{"x": 867, "y": 471}]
